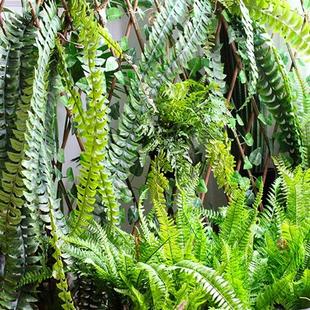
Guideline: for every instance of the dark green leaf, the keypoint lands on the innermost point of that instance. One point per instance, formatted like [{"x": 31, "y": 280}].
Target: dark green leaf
[
  {"x": 256, "y": 157},
  {"x": 115, "y": 110}
]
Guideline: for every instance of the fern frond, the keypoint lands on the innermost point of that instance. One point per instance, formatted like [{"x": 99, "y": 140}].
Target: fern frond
[
  {"x": 10, "y": 67},
  {"x": 279, "y": 16},
  {"x": 217, "y": 289},
  {"x": 248, "y": 29},
  {"x": 58, "y": 268},
  {"x": 93, "y": 127},
  {"x": 277, "y": 293},
  {"x": 275, "y": 92},
  {"x": 19, "y": 195},
  {"x": 35, "y": 276},
  {"x": 157, "y": 184},
  {"x": 222, "y": 163},
  {"x": 197, "y": 28},
  {"x": 158, "y": 285},
  {"x": 170, "y": 14}
]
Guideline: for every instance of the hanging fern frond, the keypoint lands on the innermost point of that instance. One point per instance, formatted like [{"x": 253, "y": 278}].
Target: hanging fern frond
[
  {"x": 222, "y": 163},
  {"x": 19, "y": 196},
  {"x": 275, "y": 92},
  {"x": 303, "y": 112},
  {"x": 171, "y": 13},
  {"x": 10, "y": 67},
  {"x": 58, "y": 268},
  {"x": 197, "y": 29},
  {"x": 248, "y": 29},
  {"x": 157, "y": 184},
  {"x": 279, "y": 16},
  {"x": 93, "y": 126}
]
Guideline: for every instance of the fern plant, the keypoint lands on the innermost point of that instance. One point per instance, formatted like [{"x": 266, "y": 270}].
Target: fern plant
[
  {"x": 252, "y": 262},
  {"x": 158, "y": 269}
]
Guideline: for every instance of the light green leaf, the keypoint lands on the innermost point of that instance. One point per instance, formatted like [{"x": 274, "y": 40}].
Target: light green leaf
[
  {"x": 247, "y": 164},
  {"x": 111, "y": 64},
  {"x": 61, "y": 156},
  {"x": 248, "y": 139},
  {"x": 114, "y": 13},
  {"x": 120, "y": 77},
  {"x": 242, "y": 77},
  {"x": 239, "y": 120}
]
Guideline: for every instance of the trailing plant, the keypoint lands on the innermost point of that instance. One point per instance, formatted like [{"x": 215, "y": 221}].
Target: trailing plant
[
  {"x": 193, "y": 102},
  {"x": 20, "y": 218}
]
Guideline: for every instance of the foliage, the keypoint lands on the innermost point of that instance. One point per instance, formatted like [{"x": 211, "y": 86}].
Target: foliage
[
  {"x": 196, "y": 97},
  {"x": 253, "y": 262},
  {"x": 275, "y": 91},
  {"x": 22, "y": 233}
]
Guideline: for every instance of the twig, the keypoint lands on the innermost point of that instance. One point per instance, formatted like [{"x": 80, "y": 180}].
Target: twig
[
  {"x": 34, "y": 15},
  {"x": 207, "y": 177},
  {"x": 101, "y": 8},
  {"x": 135, "y": 24}
]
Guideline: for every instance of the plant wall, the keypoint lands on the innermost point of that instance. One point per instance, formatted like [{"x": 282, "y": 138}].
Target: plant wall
[{"x": 204, "y": 92}]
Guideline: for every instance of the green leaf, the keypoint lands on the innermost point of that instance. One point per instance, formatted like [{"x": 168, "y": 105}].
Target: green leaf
[
  {"x": 124, "y": 44},
  {"x": 262, "y": 118},
  {"x": 247, "y": 164},
  {"x": 61, "y": 156},
  {"x": 82, "y": 84},
  {"x": 242, "y": 77},
  {"x": 136, "y": 169},
  {"x": 111, "y": 64},
  {"x": 120, "y": 77},
  {"x": 114, "y": 13},
  {"x": 256, "y": 157},
  {"x": 132, "y": 215},
  {"x": 239, "y": 120},
  {"x": 232, "y": 123},
  {"x": 115, "y": 110},
  {"x": 202, "y": 187},
  {"x": 248, "y": 139},
  {"x": 70, "y": 175}
]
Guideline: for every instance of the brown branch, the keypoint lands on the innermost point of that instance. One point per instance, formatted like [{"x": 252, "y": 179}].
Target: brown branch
[
  {"x": 207, "y": 177},
  {"x": 35, "y": 19},
  {"x": 135, "y": 24}
]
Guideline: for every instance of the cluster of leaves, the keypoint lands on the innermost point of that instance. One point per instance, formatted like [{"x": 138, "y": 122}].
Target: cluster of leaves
[
  {"x": 176, "y": 114},
  {"x": 242, "y": 260}
]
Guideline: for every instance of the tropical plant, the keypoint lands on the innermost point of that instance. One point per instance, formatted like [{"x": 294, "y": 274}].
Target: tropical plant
[
  {"x": 242, "y": 260},
  {"x": 196, "y": 100}
]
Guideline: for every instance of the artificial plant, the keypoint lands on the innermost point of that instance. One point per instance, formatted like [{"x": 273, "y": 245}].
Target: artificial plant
[
  {"x": 207, "y": 70},
  {"x": 236, "y": 259}
]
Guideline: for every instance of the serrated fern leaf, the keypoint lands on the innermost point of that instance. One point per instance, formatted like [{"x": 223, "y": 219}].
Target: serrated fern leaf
[
  {"x": 218, "y": 290},
  {"x": 20, "y": 221},
  {"x": 279, "y": 16},
  {"x": 275, "y": 92},
  {"x": 93, "y": 127},
  {"x": 170, "y": 14}
]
